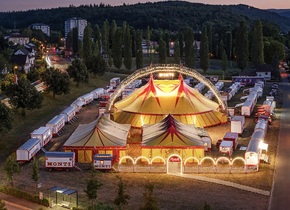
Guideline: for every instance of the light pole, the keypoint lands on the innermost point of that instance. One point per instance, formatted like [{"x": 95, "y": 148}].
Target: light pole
[{"x": 15, "y": 76}]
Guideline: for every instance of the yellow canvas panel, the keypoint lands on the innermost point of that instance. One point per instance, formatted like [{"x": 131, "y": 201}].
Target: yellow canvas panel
[
  {"x": 164, "y": 153},
  {"x": 88, "y": 156},
  {"x": 109, "y": 152},
  {"x": 155, "y": 153},
  {"x": 81, "y": 156},
  {"x": 67, "y": 150},
  {"x": 198, "y": 153},
  {"x": 123, "y": 154},
  {"x": 101, "y": 151},
  {"x": 187, "y": 153},
  {"x": 146, "y": 153}
]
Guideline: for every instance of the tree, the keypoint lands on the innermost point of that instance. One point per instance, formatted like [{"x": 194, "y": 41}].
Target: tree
[
  {"x": 221, "y": 49},
  {"x": 166, "y": 39},
  {"x": 2, "y": 205},
  {"x": 56, "y": 81},
  {"x": 117, "y": 48},
  {"x": 97, "y": 65},
  {"x": 105, "y": 36},
  {"x": 176, "y": 52},
  {"x": 148, "y": 35},
  {"x": 93, "y": 185},
  {"x": 209, "y": 36},
  {"x": 122, "y": 198},
  {"x": 257, "y": 49},
  {"x": 229, "y": 44},
  {"x": 150, "y": 202},
  {"x": 224, "y": 63},
  {"x": 275, "y": 67},
  {"x": 25, "y": 96},
  {"x": 162, "y": 51},
  {"x": 206, "y": 206},
  {"x": 189, "y": 48},
  {"x": 204, "y": 56},
  {"x": 11, "y": 167},
  {"x": 87, "y": 42},
  {"x": 98, "y": 38},
  {"x": 128, "y": 49},
  {"x": 75, "y": 41},
  {"x": 272, "y": 47},
  {"x": 112, "y": 32},
  {"x": 242, "y": 45},
  {"x": 139, "y": 51},
  {"x": 35, "y": 173},
  {"x": 6, "y": 118},
  {"x": 110, "y": 60},
  {"x": 181, "y": 42},
  {"x": 78, "y": 71}
]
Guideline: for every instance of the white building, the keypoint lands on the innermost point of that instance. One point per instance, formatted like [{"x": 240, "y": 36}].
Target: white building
[
  {"x": 75, "y": 22},
  {"x": 43, "y": 27}
]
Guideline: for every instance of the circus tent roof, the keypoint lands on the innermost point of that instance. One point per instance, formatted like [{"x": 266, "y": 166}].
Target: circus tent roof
[
  {"x": 102, "y": 132},
  {"x": 171, "y": 133},
  {"x": 158, "y": 98}
]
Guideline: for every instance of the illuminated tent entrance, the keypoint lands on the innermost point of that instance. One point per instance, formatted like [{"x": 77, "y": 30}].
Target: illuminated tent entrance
[
  {"x": 158, "y": 98},
  {"x": 102, "y": 136},
  {"x": 170, "y": 136}
]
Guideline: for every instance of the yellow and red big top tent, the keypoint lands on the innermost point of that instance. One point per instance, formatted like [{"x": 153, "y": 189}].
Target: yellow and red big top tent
[{"x": 158, "y": 98}]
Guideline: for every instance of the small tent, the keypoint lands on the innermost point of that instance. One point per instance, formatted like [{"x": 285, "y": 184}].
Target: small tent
[
  {"x": 171, "y": 136},
  {"x": 102, "y": 136}
]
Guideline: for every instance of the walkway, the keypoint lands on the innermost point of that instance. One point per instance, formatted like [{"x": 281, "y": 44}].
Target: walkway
[
  {"x": 13, "y": 203},
  {"x": 280, "y": 194},
  {"x": 226, "y": 183}
]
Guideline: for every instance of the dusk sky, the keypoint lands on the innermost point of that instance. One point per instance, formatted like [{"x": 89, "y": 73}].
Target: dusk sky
[{"x": 22, "y": 5}]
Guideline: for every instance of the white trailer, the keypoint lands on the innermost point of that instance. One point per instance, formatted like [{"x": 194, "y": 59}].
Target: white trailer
[
  {"x": 69, "y": 113},
  {"x": 78, "y": 104},
  {"x": 98, "y": 92},
  {"x": 103, "y": 161},
  {"x": 114, "y": 82},
  {"x": 238, "y": 124},
  {"x": 247, "y": 108},
  {"x": 255, "y": 148},
  {"x": 56, "y": 124},
  {"x": 226, "y": 148},
  {"x": 207, "y": 142},
  {"x": 231, "y": 136},
  {"x": 29, "y": 149},
  {"x": 87, "y": 98},
  {"x": 59, "y": 160},
  {"x": 43, "y": 133}
]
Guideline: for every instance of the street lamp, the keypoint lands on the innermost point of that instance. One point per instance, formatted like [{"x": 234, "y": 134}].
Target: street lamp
[
  {"x": 15, "y": 68},
  {"x": 15, "y": 76}
]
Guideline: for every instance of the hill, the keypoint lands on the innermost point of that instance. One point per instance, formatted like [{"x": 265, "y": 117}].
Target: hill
[
  {"x": 171, "y": 15},
  {"x": 282, "y": 12}
]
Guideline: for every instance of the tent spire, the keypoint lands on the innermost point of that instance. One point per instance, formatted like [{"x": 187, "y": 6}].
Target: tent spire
[{"x": 180, "y": 77}]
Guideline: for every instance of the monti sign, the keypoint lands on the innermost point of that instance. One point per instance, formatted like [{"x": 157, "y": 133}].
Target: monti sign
[{"x": 58, "y": 164}]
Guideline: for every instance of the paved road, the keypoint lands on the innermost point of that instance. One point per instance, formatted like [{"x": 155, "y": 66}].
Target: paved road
[{"x": 280, "y": 195}]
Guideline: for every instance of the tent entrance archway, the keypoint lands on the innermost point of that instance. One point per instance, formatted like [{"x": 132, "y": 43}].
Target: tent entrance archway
[{"x": 174, "y": 164}]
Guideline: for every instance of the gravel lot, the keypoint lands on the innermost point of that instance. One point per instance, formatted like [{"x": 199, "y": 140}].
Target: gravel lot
[{"x": 171, "y": 192}]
